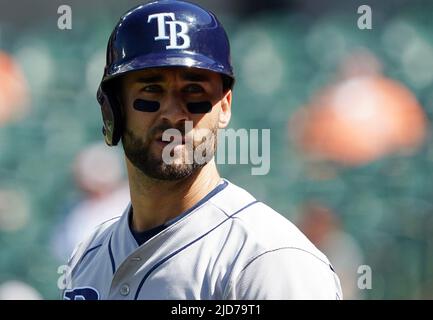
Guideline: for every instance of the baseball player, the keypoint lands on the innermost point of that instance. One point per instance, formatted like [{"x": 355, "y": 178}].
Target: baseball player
[{"x": 187, "y": 233}]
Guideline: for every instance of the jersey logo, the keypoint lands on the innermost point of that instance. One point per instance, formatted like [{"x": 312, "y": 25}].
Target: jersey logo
[
  {"x": 83, "y": 293},
  {"x": 162, "y": 22}
]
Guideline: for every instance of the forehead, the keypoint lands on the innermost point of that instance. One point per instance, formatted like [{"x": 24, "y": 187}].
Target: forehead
[{"x": 167, "y": 73}]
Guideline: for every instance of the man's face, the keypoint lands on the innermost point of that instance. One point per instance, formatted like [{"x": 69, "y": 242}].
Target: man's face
[{"x": 157, "y": 99}]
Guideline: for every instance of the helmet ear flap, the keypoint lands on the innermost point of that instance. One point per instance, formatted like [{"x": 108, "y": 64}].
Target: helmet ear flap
[{"x": 111, "y": 116}]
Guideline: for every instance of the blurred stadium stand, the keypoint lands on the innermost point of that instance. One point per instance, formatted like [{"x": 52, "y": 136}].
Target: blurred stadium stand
[{"x": 283, "y": 56}]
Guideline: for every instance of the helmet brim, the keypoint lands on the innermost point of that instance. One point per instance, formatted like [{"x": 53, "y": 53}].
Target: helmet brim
[{"x": 192, "y": 60}]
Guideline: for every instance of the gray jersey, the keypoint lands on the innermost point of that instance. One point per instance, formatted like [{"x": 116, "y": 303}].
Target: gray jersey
[{"x": 228, "y": 246}]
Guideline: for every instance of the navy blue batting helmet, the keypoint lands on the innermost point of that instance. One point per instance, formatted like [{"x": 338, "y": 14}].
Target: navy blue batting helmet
[{"x": 159, "y": 34}]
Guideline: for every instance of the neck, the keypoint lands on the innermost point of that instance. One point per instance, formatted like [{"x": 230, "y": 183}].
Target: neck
[{"x": 157, "y": 201}]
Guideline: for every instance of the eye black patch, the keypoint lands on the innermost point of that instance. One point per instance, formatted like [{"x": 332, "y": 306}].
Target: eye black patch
[
  {"x": 146, "y": 105},
  {"x": 199, "y": 107}
]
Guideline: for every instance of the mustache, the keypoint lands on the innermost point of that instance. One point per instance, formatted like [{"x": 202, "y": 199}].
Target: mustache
[{"x": 158, "y": 130}]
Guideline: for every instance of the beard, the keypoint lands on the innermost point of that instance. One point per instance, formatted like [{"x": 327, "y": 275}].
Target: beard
[{"x": 139, "y": 152}]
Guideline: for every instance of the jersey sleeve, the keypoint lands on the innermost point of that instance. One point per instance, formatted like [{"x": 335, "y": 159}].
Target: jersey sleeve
[{"x": 285, "y": 273}]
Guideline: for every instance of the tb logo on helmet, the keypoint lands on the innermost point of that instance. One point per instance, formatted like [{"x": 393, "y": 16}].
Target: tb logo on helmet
[{"x": 162, "y": 35}]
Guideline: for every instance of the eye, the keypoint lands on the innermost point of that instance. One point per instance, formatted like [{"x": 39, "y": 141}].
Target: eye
[
  {"x": 152, "y": 88},
  {"x": 193, "y": 88}
]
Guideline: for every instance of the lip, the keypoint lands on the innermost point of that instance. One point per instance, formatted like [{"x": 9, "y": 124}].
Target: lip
[
  {"x": 159, "y": 140},
  {"x": 162, "y": 144}
]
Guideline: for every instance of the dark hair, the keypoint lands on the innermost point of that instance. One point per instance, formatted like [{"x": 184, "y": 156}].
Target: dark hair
[{"x": 228, "y": 82}]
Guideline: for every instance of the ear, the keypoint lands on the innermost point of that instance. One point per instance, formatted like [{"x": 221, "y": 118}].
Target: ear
[{"x": 226, "y": 110}]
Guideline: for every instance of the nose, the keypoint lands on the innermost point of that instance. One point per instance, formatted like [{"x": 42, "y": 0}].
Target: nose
[{"x": 173, "y": 109}]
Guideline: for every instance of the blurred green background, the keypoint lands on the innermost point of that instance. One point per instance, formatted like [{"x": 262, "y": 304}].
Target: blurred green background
[{"x": 283, "y": 53}]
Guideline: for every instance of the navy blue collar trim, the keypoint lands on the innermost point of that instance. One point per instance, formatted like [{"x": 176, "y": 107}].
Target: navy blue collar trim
[
  {"x": 216, "y": 190},
  {"x": 142, "y": 237}
]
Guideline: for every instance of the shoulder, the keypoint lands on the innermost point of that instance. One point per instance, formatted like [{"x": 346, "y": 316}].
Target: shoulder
[
  {"x": 94, "y": 240},
  {"x": 279, "y": 261},
  {"x": 284, "y": 273},
  {"x": 261, "y": 224},
  {"x": 272, "y": 238},
  {"x": 274, "y": 259},
  {"x": 271, "y": 229}
]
